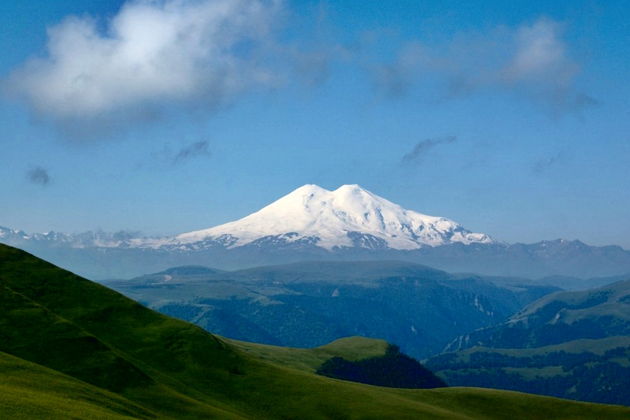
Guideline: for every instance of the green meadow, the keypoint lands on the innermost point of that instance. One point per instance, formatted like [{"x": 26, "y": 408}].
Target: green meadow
[{"x": 70, "y": 348}]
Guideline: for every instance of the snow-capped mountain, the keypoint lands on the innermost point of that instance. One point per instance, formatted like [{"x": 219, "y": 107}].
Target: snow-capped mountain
[
  {"x": 90, "y": 239},
  {"x": 349, "y": 216},
  {"x": 315, "y": 224}
]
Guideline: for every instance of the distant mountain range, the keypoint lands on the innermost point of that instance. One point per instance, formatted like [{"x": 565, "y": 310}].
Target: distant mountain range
[
  {"x": 566, "y": 344},
  {"x": 312, "y": 223},
  {"x": 312, "y": 303},
  {"x": 558, "y": 318},
  {"x": 71, "y": 348},
  {"x": 519, "y": 334}
]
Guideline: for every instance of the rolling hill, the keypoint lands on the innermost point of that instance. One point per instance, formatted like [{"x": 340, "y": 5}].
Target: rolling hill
[
  {"x": 560, "y": 317},
  {"x": 79, "y": 349},
  {"x": 566, "y": 344},
  {"x": 29, "y": 390}
]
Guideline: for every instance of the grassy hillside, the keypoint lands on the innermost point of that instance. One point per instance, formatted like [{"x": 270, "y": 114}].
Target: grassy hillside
[
  {"x": 377, "y": 361},
  {"x": 28, "y": 390},
  {"x": 587, "y": 370},
  {"x": 350, "y": 348},
  {"x": 560, "y": 317},
  {"x": 566, "y": 344},
  {"x": 80, "y": 346}
]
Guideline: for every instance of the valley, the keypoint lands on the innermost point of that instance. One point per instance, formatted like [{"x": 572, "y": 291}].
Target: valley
[
  {"x": 103, "y": 353},
  {"x": 314, "y": 210}
]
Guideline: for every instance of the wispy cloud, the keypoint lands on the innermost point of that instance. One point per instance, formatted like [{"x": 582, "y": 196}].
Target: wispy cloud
[
  {"x": 531, "y": 60},
  {"x": 171, "y": 156},
  {"x": 193, "y": 150},
  {"x": 423, "y": 147},
  {"x": 162, "y": 56},
  {"x": 544, "y": 164},
  {"x": 197, "y": 53},
  {"x": 39, "y": 176}
]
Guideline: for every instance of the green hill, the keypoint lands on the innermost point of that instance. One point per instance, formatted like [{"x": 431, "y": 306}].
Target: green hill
[
  {"x": 28, "y": 390},
  {"x": 560, "y": 317},
  {"x": 567, "y": 344},
  {"x": 76, "y": 349},
  {"x": 587, "y": 370},
  {"x": 356, "y": 359},
  {"x": 350, "y": 348}
]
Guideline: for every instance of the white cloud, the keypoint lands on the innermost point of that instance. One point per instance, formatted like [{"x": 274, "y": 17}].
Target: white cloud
[
  {"x": 541, "y": 54},
  {"x": 152, "y": 51},
  {"x": 530, "y": 60}
]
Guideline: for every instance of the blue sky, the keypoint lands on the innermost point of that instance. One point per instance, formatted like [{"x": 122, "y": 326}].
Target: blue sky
[{"x": 170, "y": 116}]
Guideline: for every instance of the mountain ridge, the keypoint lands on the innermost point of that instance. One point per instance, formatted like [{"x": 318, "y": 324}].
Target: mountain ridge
[
  {"x": 192, "y": 373},
  {"x": 332, "y": 218},
  {"x": 349, "y": 216},
  {"x": 569, "y": 344},
  {"x": 312, "y": 223},
  {"x": 308, "y": 304}
]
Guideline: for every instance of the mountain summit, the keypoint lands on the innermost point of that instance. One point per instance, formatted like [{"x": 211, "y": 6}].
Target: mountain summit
[
  {"x": 349, "y": 216},
  {"x": 315, "y": 224}
]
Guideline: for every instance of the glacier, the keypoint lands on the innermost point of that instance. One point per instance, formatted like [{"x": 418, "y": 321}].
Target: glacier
[{"x": 349, "y": 216}]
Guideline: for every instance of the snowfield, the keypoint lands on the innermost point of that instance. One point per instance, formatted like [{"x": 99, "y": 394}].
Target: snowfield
[{"x": 337, "y": 219}]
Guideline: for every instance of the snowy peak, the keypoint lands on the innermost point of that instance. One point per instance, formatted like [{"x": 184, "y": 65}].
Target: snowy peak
[{"x": 346, "y": 217}]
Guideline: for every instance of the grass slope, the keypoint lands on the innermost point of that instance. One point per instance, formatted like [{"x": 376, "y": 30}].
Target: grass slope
[
  {"x": 94, "y": 338},
  {"x": 28, "y": 390},
  {"x": 587, "y": 370},
  {"x": 309, "y": 360},
  {"x": 560, "y": 317},
  {"x": 567, "y": 344}
]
